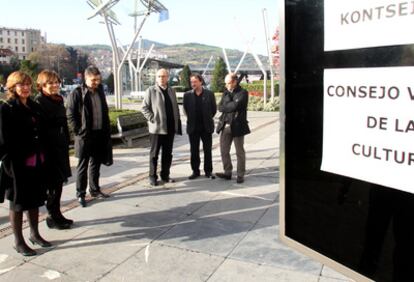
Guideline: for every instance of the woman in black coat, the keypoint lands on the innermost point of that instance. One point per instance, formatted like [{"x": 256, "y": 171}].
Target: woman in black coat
[
  {"x": 57, "y": 145},
  {"x": 23, "y": 148}
]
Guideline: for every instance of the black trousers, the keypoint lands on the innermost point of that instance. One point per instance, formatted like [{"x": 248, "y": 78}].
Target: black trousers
[
  {"x": 207, "y": 140},
  {"x": 158, "y": 142},
  {"x": 54, "y": 193},
  {"x": 89, "y": 166}
]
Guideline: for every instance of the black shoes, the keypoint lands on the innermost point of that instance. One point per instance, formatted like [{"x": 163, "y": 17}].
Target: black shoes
[
  {"x": 24, "y": 250},
  {"x": 194, "y": 176},
  {"x": 82, "y": 202},
  {"x": 153, "y": 182},
  {"x": 168, "y": 180},
  {"x": 99, "y": 195},
  {"x": 240, "y": 179},
  {"x": 40, "y": 241},
  {"x": 65, "y": 220},
  {"x": 60, "y": 224},
  {"x": 223, "y": 176},
  {"x": 209, "y": 175}
]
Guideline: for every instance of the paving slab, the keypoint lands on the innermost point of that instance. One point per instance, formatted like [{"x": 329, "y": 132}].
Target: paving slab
[
  {"x": 36, "y": 274},
  {"x": 262, "y": 245},
  {"x": 211, "y": 235},
  {"x": 329, "y": 273},
  {"x": 240, "y": 271},
  {"x": 163, "y": 263},
  {"x": 90, "y": 255}
]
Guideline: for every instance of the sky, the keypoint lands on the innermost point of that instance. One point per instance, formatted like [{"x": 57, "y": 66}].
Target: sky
[{"x": 223, "y": 23}]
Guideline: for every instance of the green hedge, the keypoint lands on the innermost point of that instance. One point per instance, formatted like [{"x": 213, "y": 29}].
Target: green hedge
[
  {"x": 256, "y": 104},
  {"x": 256, "y": 88},
  {"x": 179, "y": 88},
  {"x": 114, "y": 114}
]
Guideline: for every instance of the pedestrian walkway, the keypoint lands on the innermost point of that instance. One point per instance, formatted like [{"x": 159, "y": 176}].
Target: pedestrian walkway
[{"x": 191, "y": 230}]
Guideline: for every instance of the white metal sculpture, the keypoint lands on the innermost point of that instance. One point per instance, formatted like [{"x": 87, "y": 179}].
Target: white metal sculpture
[{"x": 103, "y": 8}]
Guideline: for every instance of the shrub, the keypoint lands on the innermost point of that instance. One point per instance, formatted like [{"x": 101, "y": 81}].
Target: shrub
[
  {"x": 185, "y": 78},
  {"x": 178, "y": 88},
  {"x": 256, "y": 104},
  {"x": 219, "y": 73},
  {"x": 256, "y": 88},
  {"x": 114, "y": 114}
]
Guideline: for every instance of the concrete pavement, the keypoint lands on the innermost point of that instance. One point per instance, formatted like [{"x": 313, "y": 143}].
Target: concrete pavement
[{"x": 199, "y": 230}]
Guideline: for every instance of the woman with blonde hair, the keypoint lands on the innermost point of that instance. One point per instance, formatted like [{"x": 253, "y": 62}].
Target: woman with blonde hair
[
  {"x": 22, "y": 144},
  {"x": 57, "y": 145}
]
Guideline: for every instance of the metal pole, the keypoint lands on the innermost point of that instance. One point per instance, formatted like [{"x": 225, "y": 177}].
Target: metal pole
[
  {"x": 146, "y": 58},
  {"x": 131, "y": 65},
  {"x": 241, "y": 60},
  {"x": 124, "y": 57},
  {"x": 115, "y": 57},
  {"x": 259, "y": 63},
  {"x": 226, "y": 60},
  {"x": 205, "y": 70},
  {"x": 138, "y": 73},
  {"x": 269, "y": 54}
]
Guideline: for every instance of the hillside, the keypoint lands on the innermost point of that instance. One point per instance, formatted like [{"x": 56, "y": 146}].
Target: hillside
[{"x": 196, "y": 55}]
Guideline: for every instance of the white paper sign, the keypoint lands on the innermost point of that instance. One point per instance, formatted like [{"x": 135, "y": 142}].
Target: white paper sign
[
  {"x": 368, "y": 125},
  {"x": 354, "y": 24}
]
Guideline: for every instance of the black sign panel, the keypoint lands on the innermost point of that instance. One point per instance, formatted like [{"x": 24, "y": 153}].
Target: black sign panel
[{"x": 362, "y": 226}]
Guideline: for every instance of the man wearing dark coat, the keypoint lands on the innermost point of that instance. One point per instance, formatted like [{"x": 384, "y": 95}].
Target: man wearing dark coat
[
  {"x": 200, "y": 107},
  {"x": 233, "y": 125},
  {"x": 87, "y": 113}
]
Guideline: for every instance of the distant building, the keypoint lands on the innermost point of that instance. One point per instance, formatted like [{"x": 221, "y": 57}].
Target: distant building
[
  {"x": 148, "y": 72},
  {"x": 21, "y": 41},
  {"x": 5, "y": 56}
]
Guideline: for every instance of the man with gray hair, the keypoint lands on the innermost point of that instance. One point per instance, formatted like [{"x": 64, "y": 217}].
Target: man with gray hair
[
  {"x": 233, "y": 125},
  {"x": 160, "y": 108}
]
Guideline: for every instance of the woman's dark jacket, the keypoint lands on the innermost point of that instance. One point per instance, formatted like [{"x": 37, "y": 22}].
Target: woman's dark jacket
[
  {"x": 21, "y": 137},
  {"x": 56, "y": 134},
  {"x": 79, "y": 113}
]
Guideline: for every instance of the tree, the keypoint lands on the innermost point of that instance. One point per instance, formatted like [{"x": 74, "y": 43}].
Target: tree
[
  {"x": 65, "y": 60},
  {"x": 219, "y": 73},
  {"x": 109, "y": 81},
  {"x": 30, "y": 68},
  {"x": 185, "y": 78}
]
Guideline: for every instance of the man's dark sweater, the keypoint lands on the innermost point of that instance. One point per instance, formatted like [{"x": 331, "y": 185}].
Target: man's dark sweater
[
  {"x": 169, "y": 111},
  {"x": 199, "y": 112}
]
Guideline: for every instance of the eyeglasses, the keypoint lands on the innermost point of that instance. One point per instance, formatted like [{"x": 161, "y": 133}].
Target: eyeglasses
[
  {"x": 53, "y": 82},
  {"x": 21, "y": 85}
]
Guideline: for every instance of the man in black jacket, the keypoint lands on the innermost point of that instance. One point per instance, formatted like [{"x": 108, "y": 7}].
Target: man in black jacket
[
  {"x": 200, "y": 107},
  {"x": 233, "y": 125},
  {"x": 87, "y": 113}
]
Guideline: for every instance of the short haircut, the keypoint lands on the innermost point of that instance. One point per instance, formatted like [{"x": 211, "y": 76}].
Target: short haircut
[
  {"x": 198, "y": 76},
  {"x": 92, "y": 70},
  {"x": 164, "y": 71},
  {"x": 233, "y": 76},
  {"x": 46, "y": 76},
  {"x": 17, "y": 77}
]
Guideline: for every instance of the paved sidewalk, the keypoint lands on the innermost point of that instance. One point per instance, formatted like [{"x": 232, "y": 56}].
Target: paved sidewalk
[{"x": 199, "y": 230}]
